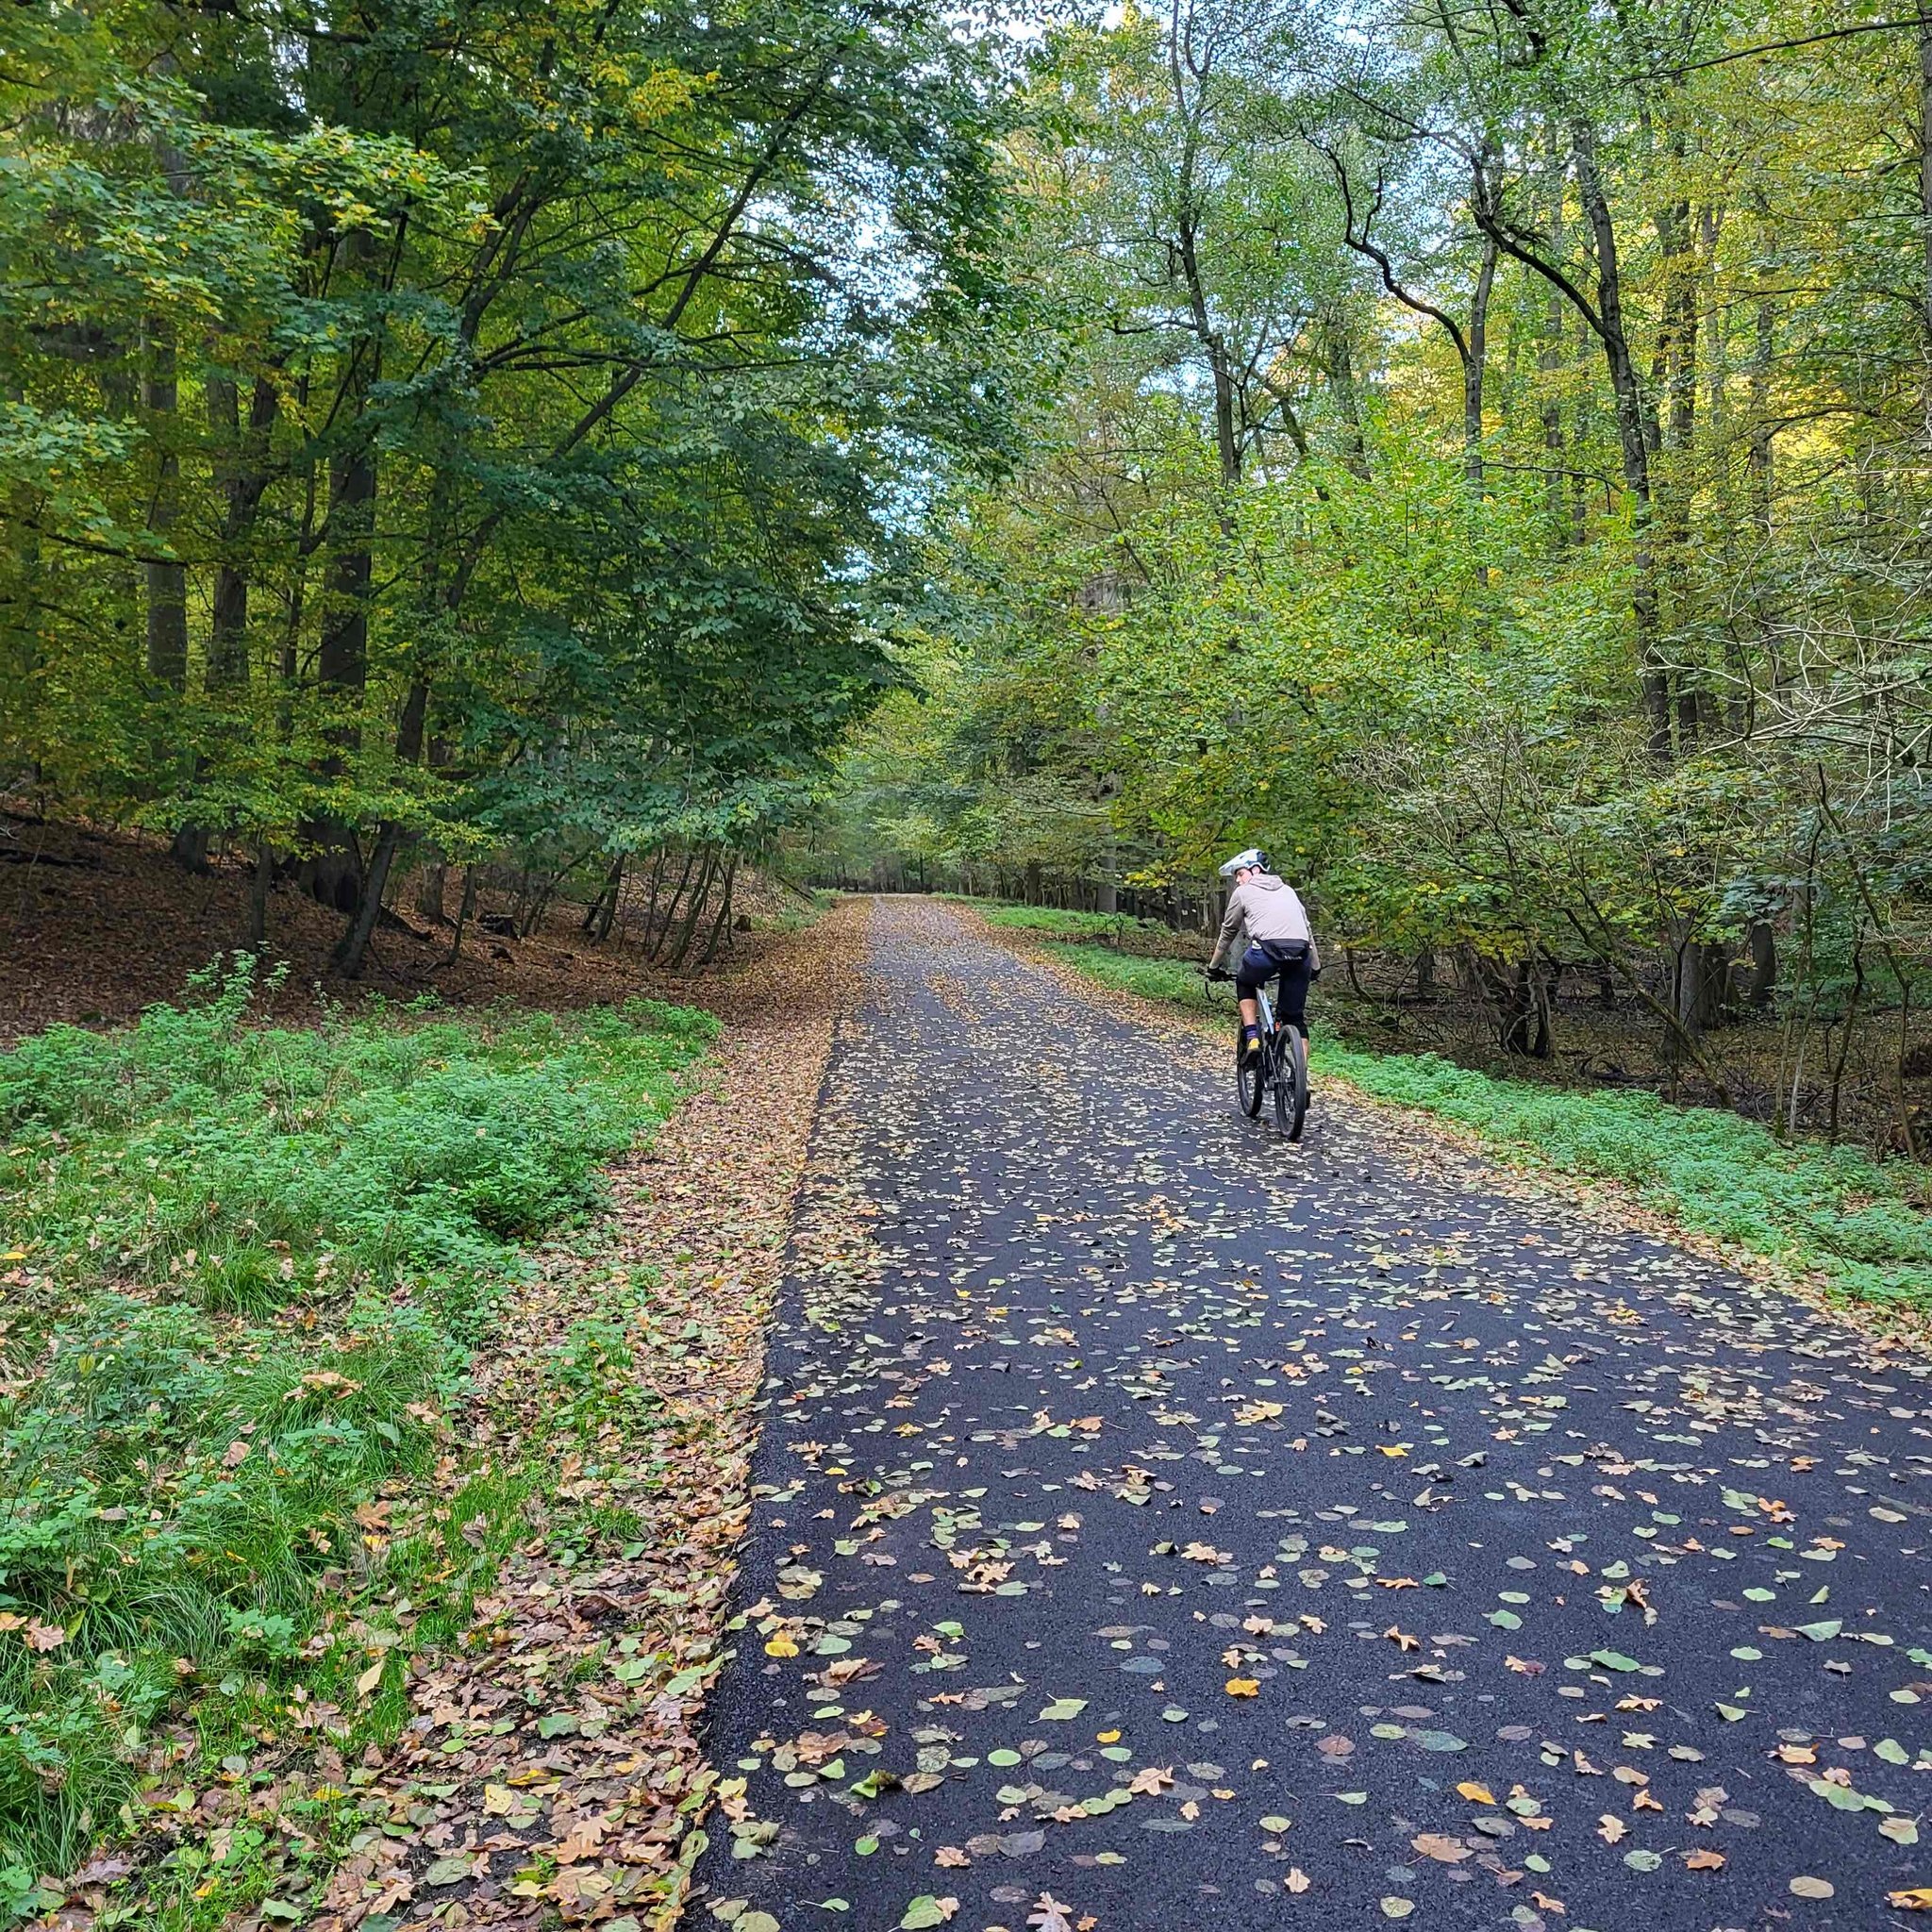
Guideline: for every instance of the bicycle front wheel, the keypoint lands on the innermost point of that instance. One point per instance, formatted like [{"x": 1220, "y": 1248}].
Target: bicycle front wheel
[{"x": 1281, "y": 1077}]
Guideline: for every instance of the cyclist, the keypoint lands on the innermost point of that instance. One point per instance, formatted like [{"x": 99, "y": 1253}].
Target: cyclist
[{"x": 1278, "y": 939}]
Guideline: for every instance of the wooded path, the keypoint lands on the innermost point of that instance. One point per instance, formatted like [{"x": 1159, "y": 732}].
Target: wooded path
[{"x": 1179, "y": 1528}]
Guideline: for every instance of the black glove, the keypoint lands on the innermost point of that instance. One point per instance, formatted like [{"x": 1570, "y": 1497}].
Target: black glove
[{"x": 1216, "y": 973}]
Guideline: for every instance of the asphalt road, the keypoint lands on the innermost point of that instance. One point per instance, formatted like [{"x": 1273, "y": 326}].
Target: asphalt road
[{"x": 1160, "y": 1526}]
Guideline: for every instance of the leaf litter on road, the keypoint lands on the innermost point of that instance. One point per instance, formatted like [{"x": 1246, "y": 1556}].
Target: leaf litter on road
[{"x": 1048, "y": 1296}]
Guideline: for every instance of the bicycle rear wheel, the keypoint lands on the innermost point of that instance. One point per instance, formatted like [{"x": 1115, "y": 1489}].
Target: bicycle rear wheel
[
  {"x": 1294, "y": 1077},
  {"x": 1250, "y": 1077}
]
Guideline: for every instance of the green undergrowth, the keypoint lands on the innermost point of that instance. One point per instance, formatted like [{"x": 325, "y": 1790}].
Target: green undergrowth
[
  {"x": 246, "y": 1269},
  {"x": 1861, "y": 1224},
  {"x": 1057, "y": 922}
]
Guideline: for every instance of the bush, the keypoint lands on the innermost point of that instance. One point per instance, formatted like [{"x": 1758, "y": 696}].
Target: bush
[{"x": 253, "y": 1261}]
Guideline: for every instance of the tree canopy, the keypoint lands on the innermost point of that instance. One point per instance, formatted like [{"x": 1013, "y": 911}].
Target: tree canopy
[{"x": 474, "y": 427}]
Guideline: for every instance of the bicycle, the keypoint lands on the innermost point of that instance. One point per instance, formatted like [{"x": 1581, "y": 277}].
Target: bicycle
[{"x": 1281, "y": 1068}]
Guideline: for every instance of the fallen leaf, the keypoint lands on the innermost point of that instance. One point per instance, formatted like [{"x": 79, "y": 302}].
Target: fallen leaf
[{"x": 925, "y": 1911}]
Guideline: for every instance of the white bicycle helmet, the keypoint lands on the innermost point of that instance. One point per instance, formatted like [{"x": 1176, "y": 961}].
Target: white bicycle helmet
[{"x": 1253, "y": 860}]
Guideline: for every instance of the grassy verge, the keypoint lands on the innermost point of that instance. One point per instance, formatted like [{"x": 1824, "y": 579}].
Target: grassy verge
[
  {"x": 1833, "y": 1211},
  {"x": 1054, "y": 922},
  {"x": 246, "y": 1270}
]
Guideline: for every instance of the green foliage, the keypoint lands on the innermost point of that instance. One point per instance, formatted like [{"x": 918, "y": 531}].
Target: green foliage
[
  {"x": 508, "y": 451},
  {"x": 1857, "y": 1222},
  {"x": 1053, "y": 922},
  {"x": 1352, "y": 523},
  {"x": 254, "y": 1262}
]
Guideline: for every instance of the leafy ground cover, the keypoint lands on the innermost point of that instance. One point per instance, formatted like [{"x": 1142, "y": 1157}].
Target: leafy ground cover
[
  {"x": 249, "y": 1271},
  {"x": 1860, "y": 1225}
]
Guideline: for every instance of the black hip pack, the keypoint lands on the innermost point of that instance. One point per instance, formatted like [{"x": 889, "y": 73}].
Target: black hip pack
[{"x": 1285, "y": 951}]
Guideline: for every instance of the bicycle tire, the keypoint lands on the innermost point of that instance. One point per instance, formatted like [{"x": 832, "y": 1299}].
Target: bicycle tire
[
  {"x": 1250, "y": 1077},
  {"x": 1298, "y": 1063},
  {"x": 1281, "y": 1070}
]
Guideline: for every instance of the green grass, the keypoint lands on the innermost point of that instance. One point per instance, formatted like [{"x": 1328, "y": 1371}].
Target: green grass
[
  {"x": 246, "y": 1268},
  {"x": 1861, "y": 1224},
  {"x": 1052, "y": 921}
]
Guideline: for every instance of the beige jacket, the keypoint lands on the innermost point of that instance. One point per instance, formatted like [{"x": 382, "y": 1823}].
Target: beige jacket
[{"x": 1268, "y": 908}]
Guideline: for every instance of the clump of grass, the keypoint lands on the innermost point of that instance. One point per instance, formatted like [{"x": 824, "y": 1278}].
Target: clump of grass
[
  {"x": 1833, "y": 1210},
  {"x": 246, "y": 1268}
]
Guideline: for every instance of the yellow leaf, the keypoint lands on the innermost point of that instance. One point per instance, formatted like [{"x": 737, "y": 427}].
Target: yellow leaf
[
  {"x": 1243, "y": 1687},
  {"x": 371, "y": 1677},
  {"x": 781, "y": 1646},
  {"x": 1106, "y": 1737},
  {"x": 1475, "y": 1793},
  {"x": 499, "y": 1801},
  {"x": 1919, "y": 1899}
]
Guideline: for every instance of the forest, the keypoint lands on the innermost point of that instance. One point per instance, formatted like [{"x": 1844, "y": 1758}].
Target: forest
[
  {"x": 1479, "y": 453},
  {"x": 504, "y": 507}
]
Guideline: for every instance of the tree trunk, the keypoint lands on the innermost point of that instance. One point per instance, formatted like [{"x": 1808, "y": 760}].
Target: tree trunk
[
  {"x": 258, "y": 896},
  {"x": 431, "y": 884},
  {"x": 691, "y": 859},
  {"x": 464, "y": 908},
  {"x": 700, "y": 892},
  {"x": 1653, "y": 680},
  {"x": 355, "y": 945},
  {"x": 612, "y": 899},
  {"x": 1342, "y": 387},
  {"x": 166, "y": 583},
  {"x": 342, "y": 664},
  {"x": 1761, "y": 984},
  {"x": 722, "y": 923},
  {"x": 1474, "y": 370},
  {"x": 244, "y": 480},
  {"x": 1925, "y": 208},
  {"x": 1701, "y": 966}
]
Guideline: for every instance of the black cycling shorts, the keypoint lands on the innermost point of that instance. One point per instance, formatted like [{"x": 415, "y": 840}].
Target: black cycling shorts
[{"x": 1292, "y": 959}]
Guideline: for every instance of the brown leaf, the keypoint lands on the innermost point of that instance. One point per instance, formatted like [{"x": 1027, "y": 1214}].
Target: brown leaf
[
  {"x": 1444, "y": 1850},
  {"x": 1703, "y": 1861}
]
